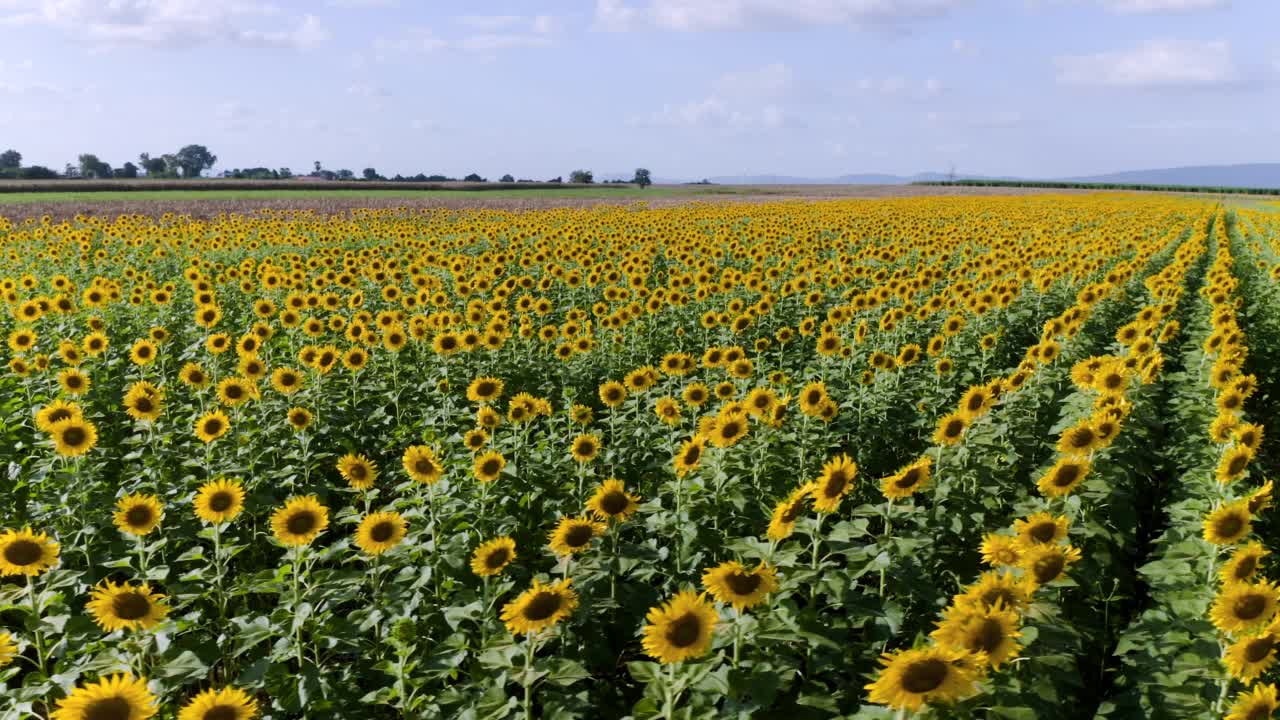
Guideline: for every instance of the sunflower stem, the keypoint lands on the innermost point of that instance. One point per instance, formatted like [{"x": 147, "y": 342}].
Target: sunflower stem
[
  {"x": 737, "y": 635},
  {"x": 297, "y": 600},
  {"x": 813, "y": 558},
  {"x": 528, "y": 668},
  {"x": 36, "y": 636}
]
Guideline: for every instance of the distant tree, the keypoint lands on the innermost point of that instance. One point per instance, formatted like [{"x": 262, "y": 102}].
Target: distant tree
[
  {"x": 154, "y": 167},
  {"x": 432, "y": 178},
  {"x": 10, "y": 159},
  {"x": 92, "y": 167},
  {"x": 317, "y": 167},
  {"x": 556, "y": 180},
  {"x": 473, "y": 177},
  {"x": 345, "y": 174},
  {"x": 70, "y": 171},
  {"x": 284, "y": 173},
  {"x": 328, "y": 174},
  {"x": 581, "y": 177},
  {"x": 37, "y": 172},
  {"x": 506, "y": 178},
  {"x": 195, "y": 159},
  {"x": 129, "y": 170},
  {"x": 642, "y": 178},
  {"x": 371, "y": 174}
]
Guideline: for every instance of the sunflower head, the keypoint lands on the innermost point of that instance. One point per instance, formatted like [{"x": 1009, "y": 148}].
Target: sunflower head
[
  {"x": 359, "y": 471},
  {"x": 907, "y": 481},
  {"x": 585, "y": 447},
  {"x": 219, "y": 501},
  {"x": 1041, "y": 528},
  {"x": 835, "y": 481},
  {"x": 381, "y": 531},
  {"x": 1243, "y": 606},
  {"x": 911, "y": 679},
  {"x": 990, "y": 633},
  {"x": 1257, "y": 703},
  {"x": 950, "y": 429},
  {"x": 493, "y": 557},
  {"x": 23, "y": 552},
  {"x": 734, "y": 584},
  {"x": 126, "y": 607},
  {"x": 1046, "y": 563},
  {"x": 1229, "y": 524},
  {"x": 1064, "y": 477},
  {"x": 138, "y": 514},
  {"x": 488, "y": 466},
  {"x": 212, "y": 425},
  {"x": 611, "y": 501},
  {"x": 73, "y": 436},
  {"x": 300, "y": 521},
  {"x": 541, "y": 606},
  {"x": 118, "y": 697},
  {"x": 680, "y": 629},
  {"x": 574, "y": 535}
]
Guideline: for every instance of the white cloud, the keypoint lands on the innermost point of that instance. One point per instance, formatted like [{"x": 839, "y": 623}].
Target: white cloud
[
  {"x": 898, "y": 86},
  {"x": 168, "y": 23},
  {"x": 963, "y": 47},
  {"x": 702, "y": 15},
  {"x": 491, "y": 33},
  {"x": 362, "y": 4},
  {"x": 1158, "y": 63},
  {"x": 770, "y": 80},
  {"x": 1142, "y": 7},
  {"x": 743, "y": 99},
  {"x": 368, "y": 91}
]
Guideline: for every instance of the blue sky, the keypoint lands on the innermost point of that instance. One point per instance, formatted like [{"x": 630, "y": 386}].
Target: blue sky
[{"x": 687, "y": 88}]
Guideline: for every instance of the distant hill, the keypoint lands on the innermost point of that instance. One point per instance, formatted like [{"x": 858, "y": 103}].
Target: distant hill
[{"x": 1252, "y": 175}]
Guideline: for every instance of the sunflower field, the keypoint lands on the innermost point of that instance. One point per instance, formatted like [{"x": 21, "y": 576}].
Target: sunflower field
[{"x": 929, "y": 458}]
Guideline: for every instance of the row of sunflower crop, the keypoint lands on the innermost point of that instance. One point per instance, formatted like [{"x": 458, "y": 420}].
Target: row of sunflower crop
[{"x": 356, "y": 531}]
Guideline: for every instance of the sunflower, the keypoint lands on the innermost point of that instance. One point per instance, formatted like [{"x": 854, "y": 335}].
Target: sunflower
[
  {"x": 613, "y": 393},
  {"x": 611, "y": 501},
  {"x": 212, "y": 425},
  {"x": 813, "y": 397},
  {"x": 950, "y": 429},
  {"x": 126, "y": 607},
  {"x": 235, "y": 390},
  {"x": 995, "y": 588},
  {"x": 1235, "y": 461},
  {"x": 488, "y": 466},
  {"x": 1001, "y": 550},
  {"x": 680, "y": 629},
  {"x": 487, "y": 417},
  {"x": 143, "y": 352},
  {"x": 783, "y": 520},
  {"x": 976, "y": 402},
  {"x": 23, "y": 552},
  {"x": 484, "y": 390},
  {"x": 229, "y": 703},
  {"x": 8, "y": 649},
  {"x": 118, "y": 697},
  {"x": 1080, "y": 438},
  {"x": 911, "y": 679},
  {"x": 381, "y": 531},
  {"x": 299, "y": 521},
  {"x": 1042, "y": 528},
  {"x": 573, "y": 535},
  {"x": 585, "y": 447},
  {"x": 728, "y": 429},
  {"x": 422, "y": 465},
  {"x": 219, "y": 501},
  {"x": 359, "y": 471},
  {"x": 835, "y": 481},
  {"x": 1064, "y": 477},
  {"x": 696, "y": 394},
  {"x": 286, "y": 380},
  {"x": 1241, "y": 607},
  {"x": 1250, "y": 656},
  {"x": 541, "y": 606},
  {"x": 1258, "y": 703},
  {"x": 493, "y": 556},
  {"x": 193, "y": 375},
  {"x": 56, "y": 411},
  {"x": 990, "y": 633},
  {"x": 907, "y": 481},
  {"x": 1229, "y": 524},
  {"x": 1046, "y": 563},
  {"x": 144, "y": 401},
  {"x": 73, "y": 437},
  {"x": 73, "y": 381},
  {"x": 475, "y": 439},
  {"x": 138, "y": 514},
  {"x": 734, "y": 584},
  {"x": 1260, "y": 499},
  {"x": 1244, "y": 563},
  {"x": 690, "y": 455}
]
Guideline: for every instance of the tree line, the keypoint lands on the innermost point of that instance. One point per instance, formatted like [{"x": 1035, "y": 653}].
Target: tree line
[{"x": 193, "y": 160}]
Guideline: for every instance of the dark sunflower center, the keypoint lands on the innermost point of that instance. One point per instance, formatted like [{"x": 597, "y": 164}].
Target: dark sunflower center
[
  {"x": 288, "y": 379},
  {"x": 220, "y": 501},
  {"x": 301, "y": 523},
  {"x": 23, "y": 552},
  {"x": 109, "y": 708},
  {"x": 424, "y": 466},
  {"x": 1258, "y": 650},
  {"x": 74, "y": 382},
  {"x": 130, "y": 606},
  {"x": 497, "y": 558},
  {"x": 999, "y": 595},
  {"x": 792, "y": 512},
  {"x": 1237, "y": 465},
  {"x": 953, "y": 428},
  {"x": 908, "y": 478},
  {"x": 742, "y": 583},
  {"x": 813, "y": 398},
  {"x": 1048, "y": 568},
  {"x": 1066, "y": 475},
  {"x": 542, "y": 606},
  {"x": 1043, "y": 532},
  {"x": 234, "y": 392},
  {"x": 730, "y": 429},
  {"x": 1249, "y": 607},
  {"x": 614, "y": 502},
  {"x": 578, "y": 535},
  {"x": 143, "y": 404},
  {"x": 1261, "y": 711},
  {"x": 976, "y": 402},
  {"x": 1229, "y": 526},
  {"x": 59, "y": 414},
  {"x": 1246, "y": 567},
  {"x": 139, "y": 516},
  {"x": 684, "y": 630},
  {"x": 586, "y": 447},
  {"x": 924, "y": 676},
  {"x": 382, "y": 531},
  {"x": 835, "y": 484},
  {"x": 213, "y": 426},
  {"x": 221, "y": 712},
  {"x": 74, "y": 436},
  {"x": 1081, "y": 438},
  {"x": 986, "y": 636},
  {"x": 489, "y": 467},
  {"x": 485, "y": 389},
  {"x": 692, "y": 455}
]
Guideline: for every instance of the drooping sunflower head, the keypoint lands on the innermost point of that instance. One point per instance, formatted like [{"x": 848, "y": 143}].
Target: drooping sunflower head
[
  {"x": 574, "y": 535},
  {"x": 835, "y": 481},
  {"x": 219, "y": 501},
  {"x": 993, "y": 588},
  {"x": 1046, "y": 563},
  {"x": 1229, "y": 524},
  {"x": 23, "y": 552},
  {"x": 493, "y": 557},
  {"x": 907, "y": 481},
  {"x": 73, "y": 437},
  {"x": 118, "y": 697},
  {"x": 1041, "y": 528},
  {"x": 1252, "y": 655},
  {"x": 126, "y": 607},
  {"x": 990, "y": 633},
  {"x": 381, "y": 531},
  {"x": 138, "y": 514},
  {"x": 212, "y": 425},
  {"x": 680, "y": 629},
  {"x": 788, "y": 510},
  {"x": 1242, "y": 607},
  {"x": 1235, "y": 461},
  {"x": 541, "y": 606},
  {"x": 611, "y": 501},
  {"x": 1257, "y": 703},
  {"x": 300, "y": 521},
  {"x": 1259, "y": 499},
  {"x": 911, "y": 679},
  {"x": 734, "y": 584},
  {"x": 56, "y": 411}
]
